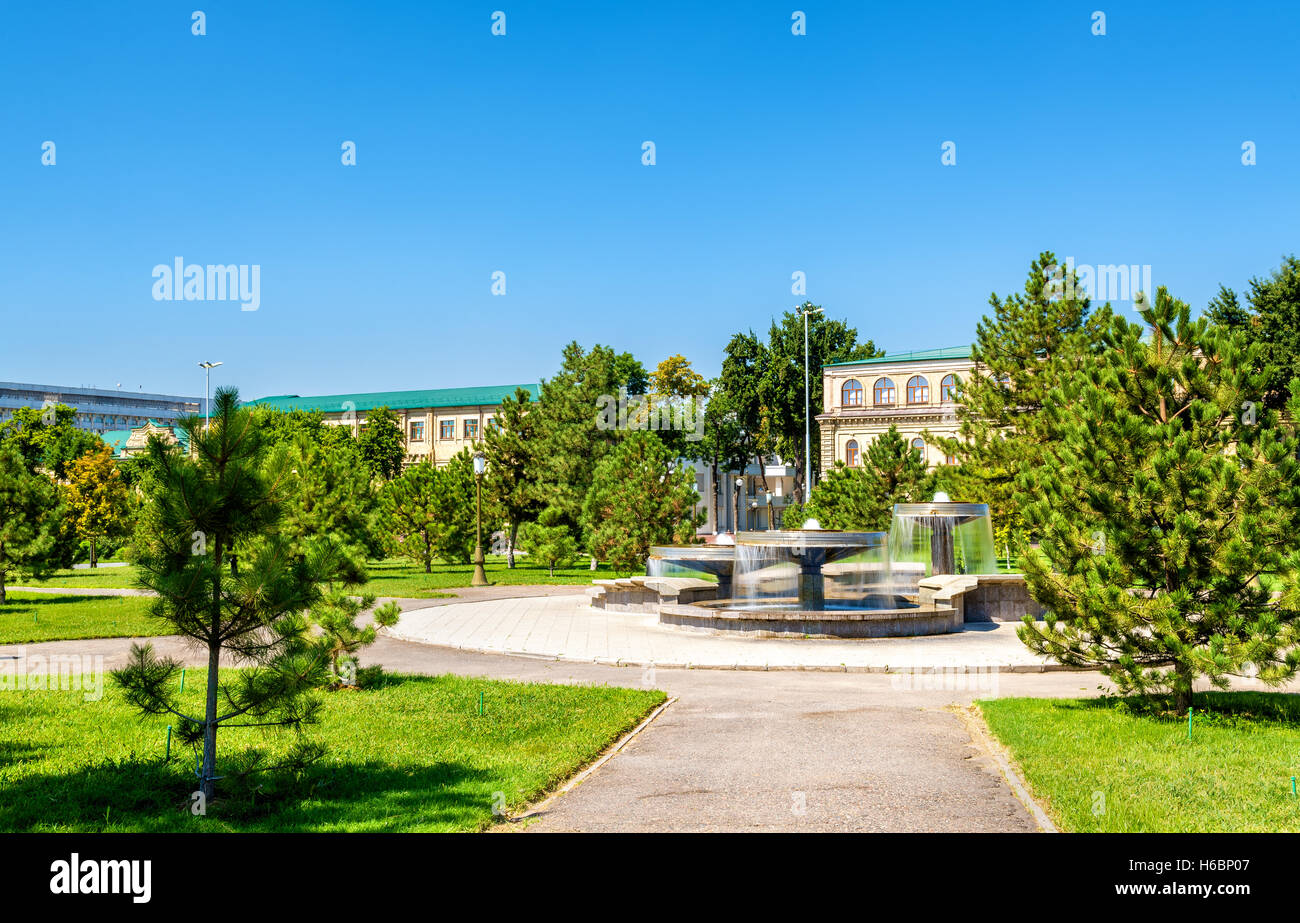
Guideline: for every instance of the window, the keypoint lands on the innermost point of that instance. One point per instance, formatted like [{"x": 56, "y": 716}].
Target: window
[
  {"x": 446, "y": 429},
  {"x": 417, "y": 431},
  {"x": 490, "y": 425},
  {"x": 918, "y": 390},
  {"x": 948, "y": 388},
  {"x": 851, "y": 453},
  {"x": 950, "y": 459},
  {"x": 851, "y": 394},
  {"x": 919, "y": 445},
  {"x": 884, "y": 392},
  {"x": 471, "y": 429}
]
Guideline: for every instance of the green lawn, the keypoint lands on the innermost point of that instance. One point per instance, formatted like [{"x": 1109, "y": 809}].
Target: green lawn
[
  {"x": 27, "y": 617},
  {"x": 1103, "y": 765},
  {"x": 414, "y": 755},
  {"x": 393, "y": 577},
  {"x": 100, "y": 578},
  {"x": 404, "y": 579}
]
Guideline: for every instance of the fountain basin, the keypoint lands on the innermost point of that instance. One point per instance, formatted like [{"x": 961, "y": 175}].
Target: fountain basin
[
  {"x": 740, "y": 617},
  {"x": 718, "y": 560}
]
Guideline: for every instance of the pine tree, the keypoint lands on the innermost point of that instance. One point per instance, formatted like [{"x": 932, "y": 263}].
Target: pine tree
[
  {"x": 639, "y": 497},
  {"x": 96, "y": 498},
  {"x": 331, "y": 494},
  {"x": 30, "y": 514},
  {"x": 382, "y": 444},
  {"x": 455, "y": 506},
  {"x": 225, "y": 578},
  {"x": 1167, "y": 502},
  {"x": 413, "y": 514},
  {"x": 1031, "y": 341},
  {"x": 862, "y": 498},
  {"x": 335, "y": 616},
  {"x": 511, "y": 479},
  {"x": 549, "y": 541}
]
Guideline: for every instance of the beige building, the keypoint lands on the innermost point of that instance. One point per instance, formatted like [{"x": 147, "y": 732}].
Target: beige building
[
  {"x": 913, "y": 391},
  {"x": 437, "y": 423}
]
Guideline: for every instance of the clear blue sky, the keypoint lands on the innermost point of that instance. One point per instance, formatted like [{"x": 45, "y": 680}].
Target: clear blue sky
[{"x": 522, "y": 153}]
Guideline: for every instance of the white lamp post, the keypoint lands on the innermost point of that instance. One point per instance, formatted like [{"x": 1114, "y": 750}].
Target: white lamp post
[
  {"x": 805, "y": 310},
  {"x": 480, "y": 468},
  {"x": 207, "y": 403}
]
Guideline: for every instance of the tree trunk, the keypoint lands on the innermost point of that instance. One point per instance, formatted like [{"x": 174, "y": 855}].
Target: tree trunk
[
  {"x": 94, "y": 554},
  {"x": 510, "y": 550},
  {"x": 207, "y": 782}
]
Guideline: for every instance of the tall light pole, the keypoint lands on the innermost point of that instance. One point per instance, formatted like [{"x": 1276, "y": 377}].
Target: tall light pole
[
  {"x": 480, "y": 467},
  {"x": 207, "y": 403},
  {"x": 805, "y": 309}
]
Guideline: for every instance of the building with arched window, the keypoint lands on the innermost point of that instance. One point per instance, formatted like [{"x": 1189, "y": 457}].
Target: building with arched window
[{"x": 931, "y": 379}]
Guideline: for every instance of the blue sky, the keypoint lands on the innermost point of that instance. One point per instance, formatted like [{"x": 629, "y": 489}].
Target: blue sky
[{"x": 522, "y": 154}]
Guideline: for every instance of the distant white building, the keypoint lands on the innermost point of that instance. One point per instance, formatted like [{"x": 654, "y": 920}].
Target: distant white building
[{"x": 98, "y": 410}]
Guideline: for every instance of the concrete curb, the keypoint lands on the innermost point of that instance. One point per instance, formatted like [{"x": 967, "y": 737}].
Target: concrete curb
[
  {"x": 981, "y": 735},
  {"x": 539, "y": 808},
  {"x": 804, "y": 668}
]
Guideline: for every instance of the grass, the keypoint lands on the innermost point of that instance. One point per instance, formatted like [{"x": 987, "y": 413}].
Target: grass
[
  {"x": 392, "y": 577},
  {"x": 100, "y": 578},
  {"x": 403, "y": 579},
  {"x": 30, "y": 617},
  {"x": 1110, "y": 765},
  {"x": 414, "y": 755}
]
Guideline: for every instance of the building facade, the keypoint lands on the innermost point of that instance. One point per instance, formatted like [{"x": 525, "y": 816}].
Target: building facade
[
  {"x": 436, "y": 423},
  {"x": 128, "y": 443},
  {"x": 757, "y": 503},
  {"x": 99, "y": 411},
  {"x": 913, "y": 391}
]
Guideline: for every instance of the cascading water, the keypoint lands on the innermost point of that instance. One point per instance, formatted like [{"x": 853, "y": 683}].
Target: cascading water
[{"x": 941, "y": 538}]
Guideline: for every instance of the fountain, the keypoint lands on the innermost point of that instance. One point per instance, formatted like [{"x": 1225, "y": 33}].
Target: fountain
[
  {"x": 919, "y": 578},
  {"x": 942, "y": 537},
  {"x": 687, "y": 560}
]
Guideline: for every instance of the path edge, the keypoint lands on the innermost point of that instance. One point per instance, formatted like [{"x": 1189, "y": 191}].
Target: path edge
[{"x": 1015, "y": 779}]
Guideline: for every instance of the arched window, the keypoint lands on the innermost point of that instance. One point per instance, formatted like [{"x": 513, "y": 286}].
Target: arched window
[
  {"x": 884, "y": 391},
  {"x": 919, "y": 444},
  {"x": 851, "y": 453},
  {"x": 918, "y": 390},
  {"x": 851, "y": 393},
  {"x": 948, "y": 388}
]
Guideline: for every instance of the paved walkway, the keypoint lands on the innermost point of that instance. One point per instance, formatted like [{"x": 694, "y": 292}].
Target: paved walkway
[{"x": 564, "y": 627}]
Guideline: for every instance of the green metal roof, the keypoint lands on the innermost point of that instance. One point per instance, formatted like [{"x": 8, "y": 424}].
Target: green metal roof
[
  {"x": 396, "y": 400},
  {"x": 116, "y": 438},
  {"x": 916, "y": 355}
]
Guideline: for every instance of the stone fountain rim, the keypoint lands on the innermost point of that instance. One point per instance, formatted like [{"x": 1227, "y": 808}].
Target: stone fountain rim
[{"x": 940, "y": 508}]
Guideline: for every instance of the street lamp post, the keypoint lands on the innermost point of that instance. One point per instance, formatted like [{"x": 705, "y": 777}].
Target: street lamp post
[
  {"x": 805, "y": 310},
  {"x": 480, "y": 467},
  {"x": 735, "y": 505},
  {"x": 207, "y": 402}
]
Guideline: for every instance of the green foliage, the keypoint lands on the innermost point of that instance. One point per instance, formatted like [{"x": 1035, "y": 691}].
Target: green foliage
[
  {"x": 331, "y": 494},
  {"x": 511, "y": 480},
  {"x": 760, "y": 394},
  {"x": 1033, "y": 341},
  {"x": 382, "y": 443},
  {"x": 569, "y": 443},
  {"x": 48, "y": 437},
  {"x": 96, "y": 498},
  {"x": 1162, "y": 497},
  {"x": 412, "y": 513},
  {"x": 30, "y": 515},
  {"x": 1273, "y": 322},
  {"x": 226, "y": 579},
  {"x": 862, "y": 498},
  {"x": 335, "y": 616},
  {"x": 639, "y": 498},
  {"x": 456, "y": 509},
  {"x": 548, "y": 541}
]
